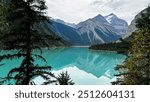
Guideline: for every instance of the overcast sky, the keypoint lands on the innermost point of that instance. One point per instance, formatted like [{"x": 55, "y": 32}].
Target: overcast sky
[{"x": 75, "y": 11}]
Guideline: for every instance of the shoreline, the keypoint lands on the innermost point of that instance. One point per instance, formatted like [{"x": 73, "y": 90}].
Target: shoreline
[{"x": 80, "y": 46}]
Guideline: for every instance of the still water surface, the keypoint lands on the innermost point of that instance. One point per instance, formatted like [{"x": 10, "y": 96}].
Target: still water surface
[{"x": 85, "y": 66}]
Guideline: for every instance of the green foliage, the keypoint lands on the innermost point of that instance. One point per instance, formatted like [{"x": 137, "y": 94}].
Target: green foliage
[
  {"x": 21, "y": 34},
  {"x": 143, "y": 21},
  {"x": 136, "y": 69},
  {"x": 64, "y": 79},
  {"x": 3, "y": 23},
  {"x": 120, "y": 47}
]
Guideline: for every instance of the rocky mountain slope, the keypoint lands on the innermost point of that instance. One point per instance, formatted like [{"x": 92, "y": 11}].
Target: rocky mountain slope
[
  {"x": 92, "y": 31},
  {"x": 132, "y": 27},
  {"x": 120, "y": 25}
]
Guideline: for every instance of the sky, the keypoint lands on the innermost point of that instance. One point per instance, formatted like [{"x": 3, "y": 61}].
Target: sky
[{"x": 75, "y": 11}]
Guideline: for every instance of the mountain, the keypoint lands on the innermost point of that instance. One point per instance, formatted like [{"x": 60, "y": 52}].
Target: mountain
[
  {"x": 65, "y": 23},
  {"x": 97, "y": 30},
  {"x": 120, "y": 25},
  {"x": 67, "y": 33},
  {"x": 122, "y": 45},
  {"x": 44, "y": 29},
  {"x": 91, "y": 31},
  {"x": 100, "y": 19},
  {"x": 132, "y": 27}
]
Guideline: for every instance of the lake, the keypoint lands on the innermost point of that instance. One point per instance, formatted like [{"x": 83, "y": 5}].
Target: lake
[{"x": 86, "y": 67}]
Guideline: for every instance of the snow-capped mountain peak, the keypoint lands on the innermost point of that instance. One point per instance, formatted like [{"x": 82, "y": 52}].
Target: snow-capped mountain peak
[
  {"x": 100, "y": 19},
  {"x": 99, "y": 29},
  {"x": 111, "y": 17},
  {"x": 120, "y": 25}
]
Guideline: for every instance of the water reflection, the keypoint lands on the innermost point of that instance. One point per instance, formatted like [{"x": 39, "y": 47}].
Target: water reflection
[
  {"x": 98, "y": 63},
  {"x": 84, "y": 66}
]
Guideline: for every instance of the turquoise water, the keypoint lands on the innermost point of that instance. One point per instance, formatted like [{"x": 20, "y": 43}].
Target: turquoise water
[{"x": 84, "y": 66}]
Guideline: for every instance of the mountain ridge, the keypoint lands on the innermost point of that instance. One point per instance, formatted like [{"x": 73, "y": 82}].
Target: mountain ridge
[
  {"x": 89, "y": 32},
  {"x": 132, "y": 26},
  {"x": 120, "y": 25}
]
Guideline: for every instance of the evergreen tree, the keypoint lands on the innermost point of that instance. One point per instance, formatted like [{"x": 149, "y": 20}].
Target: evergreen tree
[
  {"x": 3, "y": 23},
  {"x": 136, "y": 70},
  {"x": 22, "y": 16},
  {"x": 64, "y": 79}
]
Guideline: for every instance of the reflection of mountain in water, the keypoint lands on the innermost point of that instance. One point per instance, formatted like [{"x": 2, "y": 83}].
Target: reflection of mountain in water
[
  {"x": 98, "y": 63},
  {"x": 80, "y": 77},
  {"x": 84, "y": 66}
]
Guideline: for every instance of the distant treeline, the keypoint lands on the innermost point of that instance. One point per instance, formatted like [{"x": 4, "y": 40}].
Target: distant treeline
[{"x": 120, "y": 47}]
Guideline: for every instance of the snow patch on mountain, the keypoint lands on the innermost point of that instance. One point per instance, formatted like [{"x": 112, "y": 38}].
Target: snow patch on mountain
[
  {"x": 99, "y": 29},
  {"x": 120, "y": 25}
]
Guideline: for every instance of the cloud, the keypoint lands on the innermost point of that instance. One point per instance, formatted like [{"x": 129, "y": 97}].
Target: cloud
[
  {"x": 68, "y": 10},
  {"x": 75, "y": 11}
]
